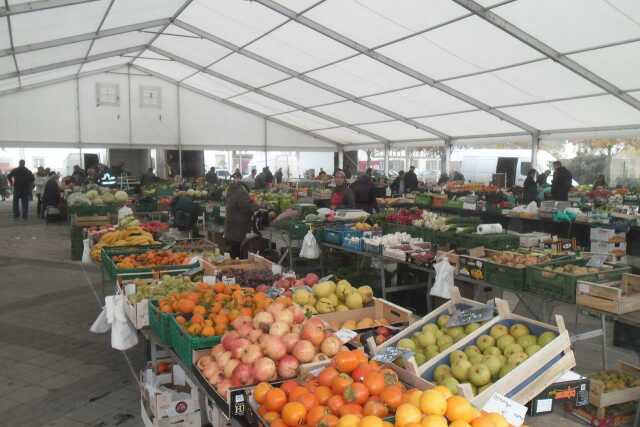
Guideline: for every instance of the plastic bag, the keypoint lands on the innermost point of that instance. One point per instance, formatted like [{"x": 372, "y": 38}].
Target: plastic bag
[
  {"x": 101, "y": 324},
  {"x": 86, "y": 252},
  {"x": 444, "y": 279},
  {"x": 123, "y": 212},
  {"x": 123, "y": 335},
  {"x": 310, "y": 248}
]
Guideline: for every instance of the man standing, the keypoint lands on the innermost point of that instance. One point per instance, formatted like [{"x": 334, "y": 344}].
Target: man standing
[
  {"x": 148, "y": 177},
  {"x": 561, "y": 182},
  {"x": 278, "y": 176},
  {"x": 211, "y": 177},
  {"x": 410, "y": 180},
  {"x": 21, "y": 179}
]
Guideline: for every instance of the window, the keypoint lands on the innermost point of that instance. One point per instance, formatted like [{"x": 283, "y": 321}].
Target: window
[
  {"x": 524, "y": 168},
  {"x": 150, "y": 97},
  {"x": 37, "y": 162},
  {"x": 107, "y": 94}
]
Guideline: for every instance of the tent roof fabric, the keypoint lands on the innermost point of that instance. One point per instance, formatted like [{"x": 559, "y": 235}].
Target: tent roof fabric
[{"x": 355, "y": 71}]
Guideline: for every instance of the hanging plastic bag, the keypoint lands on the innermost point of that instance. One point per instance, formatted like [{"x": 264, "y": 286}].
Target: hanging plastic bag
[
  {"x": 101, "y": 325},
  {"x": 310, "y": 248},
  {"x": 123, "y": 335},
  {"x": 86, "y": 252},
  {"x": 444, "y": 279},
  {"x": 124, "y": 212}
]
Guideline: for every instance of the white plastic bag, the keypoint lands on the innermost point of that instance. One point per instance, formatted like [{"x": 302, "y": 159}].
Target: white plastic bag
[
  {"x": 86, "y": 252},
  {"x": 310, "y": 248},
  {"x": 101, "y": 324},
  {"x": 444, "y": 279},
  {"x": 124, "y": 212},
  {"x": 123, "y": 335}
]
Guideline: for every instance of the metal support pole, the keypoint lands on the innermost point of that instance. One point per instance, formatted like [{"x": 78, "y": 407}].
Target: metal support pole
[
  {"x": 78, "y": 120},
  {"x": 445, "y": 156},
  {"x": 265, "y": 144},
  {"x": 179, "y": 132},
  {"x": 535, "y": 145},
  {"x": 386, "y": 159},
  {"x": 341, "y": 159},
  {"x": 129, "y": 99}
]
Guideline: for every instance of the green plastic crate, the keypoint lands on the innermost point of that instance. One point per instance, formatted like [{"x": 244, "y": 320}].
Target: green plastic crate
[
  {"x": 160, "y": 322},
  {"x": 505, "y": 277},
  {"x": 91, "y": 210},
  {"x": 502, "y": 241},
  {"x": 562, "y": 286},
  {"x": 77, "y": 244},
  {"x": 423, "y": 200},
  {"x": 133, "y": 273},
  {"x": 184, "y": 344}
]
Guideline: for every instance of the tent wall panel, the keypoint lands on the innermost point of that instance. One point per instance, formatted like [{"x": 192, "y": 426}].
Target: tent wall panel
[
  {"x": 104, "y": 123},
  {"x": 280, "y": 136},
  {"x": 206, "y": 122},
  {"x": 43, "y": 114},
  {"x": 151, "y": 125}
]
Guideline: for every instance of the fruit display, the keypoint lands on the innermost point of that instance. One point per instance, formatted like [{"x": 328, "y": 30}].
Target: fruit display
[
  {"x": 158, "y": 289},
  {"x": 327, "y": 297},
  {"x": 192, "y": 193},
  {"x": 514, "y": 259},
  {"x": 154, "y": 227},
  {"x": 126, "y": 236},
  {"x": 355, "y": 392},
  {"x": 573, "y": 269},
  {"x": 435, "y": 338},
  {"x": 271, "y": 345},
  {"x": 151, "y": 259},
  {"x": 492, "y": 357},
  {"x": 364, "y": 323},
  {"x": 613, "y": 380}
]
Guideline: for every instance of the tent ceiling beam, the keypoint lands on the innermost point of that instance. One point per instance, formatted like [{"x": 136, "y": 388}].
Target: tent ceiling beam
[
  {"x": 35, "y": 6},
  {"x": 83, "y": 37},
  {"x": 234, "y": 105},
  {"x": 305, "y": 78},
  {"x": 71, "y": 62},
  {"x": 279, "y": 99},
  {"x": 548, "y": 51},
  {"x": 93, "y": 40},
  {"x": 11, "y": 44},
  {"x": 271, "y": 4}
]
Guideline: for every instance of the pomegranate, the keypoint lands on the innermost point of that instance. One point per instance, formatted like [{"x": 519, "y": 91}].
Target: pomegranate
[
  {"x": 255, "y": 335},
  {"x": 215, "y": 379},
  {"x": 274, "y": 347},
  {"x": 304, "y": 351},
  {"x": 331, "y": 345},
  {"x": 290, "y": 340},
  {"x": 216, "y": 350},
  {"x": 223, "y": 358},
  {"x": 240, "y": 320},
  {"x": 251, "y": 353},
  {"x": 263, "y": 320},
  {"x": 228, "y": 339},
  {"x": 278, "y": 329},
  {"x": 313, "y": 331},
  {"x": 203, "y": 362},
  {"x": 288, "y": 367},
  {"x": 264, "y": 369},
  {"x": 298, "y": 314},
  {"x": 244, "y": 330},
  {"x": 242, "y": 374},
  {"x": 238, "y": 347},
  {"x": 284, "y": 316},
  {"x": 296, "y": 329},
  {"x": 229, "y": 367},
  {"x": 311, "y": 279}
]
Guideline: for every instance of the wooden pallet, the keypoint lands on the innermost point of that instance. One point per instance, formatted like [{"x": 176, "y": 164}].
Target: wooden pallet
[
  {"x": 613, "y": 297},
  {"x": 602, "y": 399}
]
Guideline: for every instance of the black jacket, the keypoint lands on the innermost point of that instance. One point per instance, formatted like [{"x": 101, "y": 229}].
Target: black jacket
[
  {"x": 278, "y": 177},
  {"x": 22, "y": 180},
  {"x": 268, "y": 176},
  {"x": 211, "y": 177},
  {"x": 561, "y": 184},
  {"x": 530, "y": 190},
  {"x": 51, "y": 194},
  {"x": 364, "y": 193},
  {"x": 410, "y": 181},
  {"x": 239, "y": 211}
]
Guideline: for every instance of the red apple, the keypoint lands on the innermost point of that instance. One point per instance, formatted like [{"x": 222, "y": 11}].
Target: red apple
[
  {"x": 304, "y": 351},
  {"x": 251, "y": 353},
  {"x": 238, "y": 347},
  {"x": 274, "y": 347},
  {"x": 228, "y": 339},
  {"x": 229, "y": 367},
  {"x": 243, "y": 373},
  {"x": 288, "y": 367},
  {"x": 264, "y": 369}
]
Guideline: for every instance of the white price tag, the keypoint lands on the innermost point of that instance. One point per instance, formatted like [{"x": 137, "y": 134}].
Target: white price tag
[
  {"x": 209, "y": 280},
  {"x": 228, "y": 280},
  {"x": 512, "y": 411},
  {"x": 276, "y": 269},
  {"x": 130, "y": 289},
  {"x": 346, "y": 335},
  {"x": 597, "y": 260},
  {"x": 583, "y": 288}
]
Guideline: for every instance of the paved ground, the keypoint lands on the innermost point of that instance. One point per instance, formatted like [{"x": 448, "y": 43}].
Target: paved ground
[{"x": 53, "y": 372}]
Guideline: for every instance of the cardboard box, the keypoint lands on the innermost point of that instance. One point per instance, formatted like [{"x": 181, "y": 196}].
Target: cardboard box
[
  {"x": 570, "y": 387},
  {"x": 169, "y": 395},
  {"x": 601, "y": 234},
  {"x": 190, "y": 420}
]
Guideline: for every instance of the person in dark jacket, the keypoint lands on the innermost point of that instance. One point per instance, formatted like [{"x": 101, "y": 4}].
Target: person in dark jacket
[
  {"x": 342, "y": 196},
  {"x": 600, "y": 182},
  {"x": 22, "y": 180},
  {"x": 561, "y": 182},
  {"x": 268, "y": 176},
  {"x": 410, "y": 180},
  {"x": 78, "y": 175},
  {"x": 398, "y": 186},
  {"x": 542, "y": 178},
  {"x": 211, "y": 176},
  {"x": 364, "y": 193},
  {"x": 51, "y": 194},
  {"x": 260, "y": 183},
  {"x": 239, "y": 210},
  {"x": 185, "y": 213},
  {"x": 278, "y": 176},
  {"x": 148, "y": 177},
  {"x": 530, "y": 187},
  {"x": 444, "y": 178}
]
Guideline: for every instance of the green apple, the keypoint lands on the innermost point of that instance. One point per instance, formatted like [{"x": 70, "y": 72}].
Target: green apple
[
  {"x": 532, "y": 349},
  {"x": 407, "y": 344},
  {"x": 442, "y": 321},
  {"x": 503, "y": 359},
  {"x": 472, "y": 349},
  {"x": 479, "y": 375},
  {"x": 456, "y": 333},
  {"x": 430, "y": 327},
  {"x": 476, "y": 358},
  {"x": 485, "y": 341},
  {"x": 545, "y": 338},
  {"x": 444, "y": 342},
  {"x": 450, "y": 383},
  {"x": 425, "y": 339},
  {"x": 517, "y": 358},
  {"x": 460, "y": 370},
  {"x": 493, "y": 363},
  {"x": 527, "y": 340},
  {"x": 441, "y": 372},
  {"x": 505, "y": 341},
  {"x": 439, "y": 333},
  {"x": 431, "y": 351},
  {"x": 512, "y": 348},
  {"x": 420, "y": 358},
  {"x": 415, "y": 340},
  {"x": 457, "y": 355},
  {"x": 498, "y": 330},
  {"x": 492, "y": 351},
  {"x": 471, "y": 327},
  {"x": 519, "y": 330},
  {"x": 505, "y": 370}
]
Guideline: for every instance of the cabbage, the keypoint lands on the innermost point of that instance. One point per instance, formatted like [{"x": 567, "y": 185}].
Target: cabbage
[
  {"x": 108, "y": 197},
  {"x": 91, "y": 194},
  {"x": 121, "y": 196},
  {"x": 191, "y": 192},
  {"x": 78, "y": 199},
  {"x": 98, "y": 201}
]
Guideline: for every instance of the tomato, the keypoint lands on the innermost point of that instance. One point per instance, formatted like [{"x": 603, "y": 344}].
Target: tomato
[
  {"x": 270, "y": 417},
  {"x": 315, "y": 414},
  {"x": 334, "y": 403},
  {"x": 340, "y": 382},
  {"x": 374, "y": 382},
  {"x": 361, "y": 356},
  {"x": 260, "y": 392},
  {"x": 360, "y": 372},
  {"x": 374, "y": 407},
  {"x": 323, "y": 393},
  {"x": 275, "y": 399},
  {"x": 308, "y": 400},
  {"x": 294, "y": 414},
  {"x": 346, "y": 361},
  {"x": 328, "y": 421},
  {"x": 350, "y": 408},
  {"x": 356, "y": 393},
  {"x": 327, "y": 375},
  {"x": 392, "y": 396},
  {"x": 390, "y": 376}
]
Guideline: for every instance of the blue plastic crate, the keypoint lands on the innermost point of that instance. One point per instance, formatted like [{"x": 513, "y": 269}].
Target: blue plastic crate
[{"x": 352, "y": 244}]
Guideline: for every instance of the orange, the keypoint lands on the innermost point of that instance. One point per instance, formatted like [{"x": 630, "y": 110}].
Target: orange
[
  {"x": 407, "y": 414},
  {"x": 445, "y": 391},
  {"x": 294, "y": 414},
  {"x": 260, "y": 392},
  {"x": 346, "y": 361},
  {"x": 370, "y": 421},
  {"x": 433, "y": 403},
  {"x": 392, "y": 396},
  {"x": 315, "y": 414},
  {"x": 497, "y": 419},
  {"x": 482, "y": 422},
  {"x": 413, "y": 397},
  {"x": 459, "y": 423},
  {"x": 275, "y": 399},
  {"x": 434, "y": 421},
  {"x": 323, "y": 393},
  {"x": 186, "y": 305},
  {"x": 270, "y": 417},
  {"x": 459, "y": 408},
  {"x": 328, "y": 421},
  {"x": 350, "y": 420}
]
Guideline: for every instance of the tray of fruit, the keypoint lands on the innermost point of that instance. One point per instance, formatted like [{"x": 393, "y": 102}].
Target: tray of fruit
[
  {"x": 614, "y": 387},
  {"x": 329, "y": 297}
]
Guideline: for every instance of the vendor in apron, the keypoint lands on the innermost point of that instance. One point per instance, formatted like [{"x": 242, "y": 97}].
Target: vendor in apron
[{"x": 342, "y": 196}]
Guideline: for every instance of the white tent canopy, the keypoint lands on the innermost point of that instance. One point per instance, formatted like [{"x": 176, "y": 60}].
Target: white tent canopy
[{"x": 345, "y": 73}]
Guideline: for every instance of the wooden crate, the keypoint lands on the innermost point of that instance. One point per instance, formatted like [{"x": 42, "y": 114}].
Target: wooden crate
[
  {"x": 613, "y": 297},
  {"x": 381, "y": 309},
  {"x": 253, "y": 262},
  {"x": 602, "y": 399},
  {"x": 90, "y": 221},
  {"x": 530, "y": 378}
]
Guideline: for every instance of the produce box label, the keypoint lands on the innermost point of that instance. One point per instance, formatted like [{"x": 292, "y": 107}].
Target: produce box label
[
  {"x": 390, "y": 354},
  {"x": 512, "y": 411},
  {"x": 346, "y": 335},
  {"x": 471, "y": 315}
]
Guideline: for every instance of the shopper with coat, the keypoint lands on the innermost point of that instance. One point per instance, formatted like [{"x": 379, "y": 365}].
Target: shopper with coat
[
  {"x": 530, "y": 187},
  {"x": 410, "y": 180},
  {"x": 561, "y": 182},
  {"x": 239, "y": 210},
  {"x": 41, "y": 179},
  {"x": 364, "y": 193},
  {"x": 22, "y": 180},
  {"x": 342, "y": 196}
]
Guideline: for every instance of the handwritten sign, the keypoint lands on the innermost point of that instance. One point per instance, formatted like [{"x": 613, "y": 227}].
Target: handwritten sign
[
  {"x": 346, "y": 335},
  {"x": 512, "y": 411},
  {"x": 209, "y": 280},
  {"x": 228, "y": 280}
]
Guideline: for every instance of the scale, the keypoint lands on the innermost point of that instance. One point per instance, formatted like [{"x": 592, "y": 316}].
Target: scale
[{"x": 350, "y": 215}]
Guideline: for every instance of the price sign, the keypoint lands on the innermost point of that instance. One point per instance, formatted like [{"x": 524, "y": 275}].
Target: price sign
[
  {"x": 276, "y": 269},
  {"x": 512, "y": 411},
  {"x": 228, "y": 280},
  {"x": 464, "y": 317},
  {"x": 209, "y": 280},
  {"x": 597, "y": 260},
  {"x": 346, "y": 335},
  {"x": 389, "y": 354}
]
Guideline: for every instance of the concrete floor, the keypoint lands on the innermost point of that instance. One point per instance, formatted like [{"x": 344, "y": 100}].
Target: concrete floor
[{"x": 54, "y": 372}]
